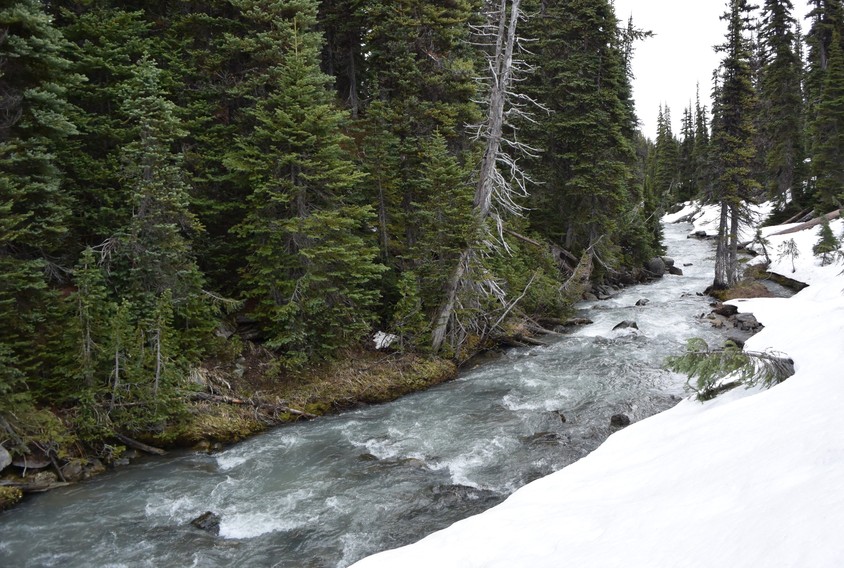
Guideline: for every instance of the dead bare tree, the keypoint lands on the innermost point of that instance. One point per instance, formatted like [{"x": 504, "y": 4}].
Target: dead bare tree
[{"x": 501, "y": 182}]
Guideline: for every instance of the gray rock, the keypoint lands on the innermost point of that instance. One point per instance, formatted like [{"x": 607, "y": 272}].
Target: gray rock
[
  {"x": 73, "y": 470},
  {"x": 208, "y": 522},
  {"x": 675, "y": 271},
  {"x": 669, "y": 262},
  {"x": 619, "y": 420},
  {"x": 747, "y": 322},
  {"x": 627, "y": 324},
  {"x": 656, "y": 266},
  {"x": 726, "y": 310},
  {"x": 643, "y": 302},
  {"x": 590, "y": 297},
  {"x": 5, "y": 458}
]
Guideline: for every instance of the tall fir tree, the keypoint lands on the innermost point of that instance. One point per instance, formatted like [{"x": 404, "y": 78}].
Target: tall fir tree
[
  {"x": 686, "y": 184},
  {"x": 34, "y": 210},
  {"x": 781, "y": 105},
  {"x": 311, "y": 268},
  {"x": 587, "y": 196},
  {"x": 153, "y": 255},
  {"x": 732, "y": 140},
  {"x": 828, "y": 147},
  {"x": 702, "y": 165}
]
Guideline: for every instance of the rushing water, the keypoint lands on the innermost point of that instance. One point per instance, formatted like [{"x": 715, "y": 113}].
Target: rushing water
[{"x": 329, "y": 492}]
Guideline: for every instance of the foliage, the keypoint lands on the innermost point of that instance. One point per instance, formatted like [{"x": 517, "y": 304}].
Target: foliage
[
  {"x": 827, "y": 245},
  {"x": 717, "y": 370},
  {"x": 788, "y": 249}
]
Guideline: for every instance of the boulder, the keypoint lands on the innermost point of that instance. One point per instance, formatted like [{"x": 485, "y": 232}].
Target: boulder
[
  {"x": 94, "y": 467},
  {"x": 675, "y": 271},
  {"x": 656, "y": 266},
  {"x": 725, "y": 310},
  {"x": 208, "y": 522},
  {"x": 643, "y": 302},
  {"x": 36, "y": 459},
  {"x": 73, "y": 471},
  {"x": 669, "y": 262},
  {"x": 627, "y": 324},
  {"x": 5, "y": 458},
  {"x": 590, "y": 297},
  {"x": 619, "y": 420},
  {"x": 747, "y": 322}
]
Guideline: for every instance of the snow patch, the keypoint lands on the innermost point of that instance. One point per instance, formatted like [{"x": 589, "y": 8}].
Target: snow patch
[{"x": 751, "y": 478}]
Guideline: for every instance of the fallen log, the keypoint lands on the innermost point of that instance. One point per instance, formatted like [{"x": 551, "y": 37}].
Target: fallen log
[
  {"x": 34, "y": 487},
  {"x": 814, "y": 222},
  {"x": 257, "y": 405},
  {"x": 140, "y": 446}
]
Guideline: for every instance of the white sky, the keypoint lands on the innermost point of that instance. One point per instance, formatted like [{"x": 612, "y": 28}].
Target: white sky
[{"x": 669, "y": 65}]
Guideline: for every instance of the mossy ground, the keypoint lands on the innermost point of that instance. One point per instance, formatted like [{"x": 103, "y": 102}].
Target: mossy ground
[
  {"x": 9, "y": 497},
  {"x": 360, "y": 377}
]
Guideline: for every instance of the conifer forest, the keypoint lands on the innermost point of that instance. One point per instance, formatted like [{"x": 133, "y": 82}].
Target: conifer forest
[{"x": 193, "y": 185}]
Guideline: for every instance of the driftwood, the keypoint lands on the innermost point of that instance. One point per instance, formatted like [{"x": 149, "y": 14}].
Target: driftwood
[
  {"x": 797, "y": 217},
  {"x": 139, "y": 445},
  {"x": 257, "y": 405},
  {"x": 34, "y": 487},
  {"x": 564, "y": 322},
  {"x": 814, "y": 222}
]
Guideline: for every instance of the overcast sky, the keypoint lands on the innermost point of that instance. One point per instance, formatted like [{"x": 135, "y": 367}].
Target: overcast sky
[{"x": 680, "y": 55}]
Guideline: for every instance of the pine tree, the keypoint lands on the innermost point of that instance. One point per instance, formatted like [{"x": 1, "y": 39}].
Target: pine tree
[
  {"x": 34, "y": 124},
  {"x": 311, "y": 262},
  {"x": 703, "y": 171},
  {"x": 104, "y": 42},
  {"x": 781, "y": 108},
  {"x": 666, "y": 165},
  {"x": 687, "y": 182},
  {"x": 732, "y": 141},
  {"x": 585, "y": 172},
  {"x": 153, "y": 253},
  {"x": 827, "y": 245},
  {"x": 828, "y": 147}
]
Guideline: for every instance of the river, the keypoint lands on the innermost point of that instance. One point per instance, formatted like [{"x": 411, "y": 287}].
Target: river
[{"x": 329, "y": 492}]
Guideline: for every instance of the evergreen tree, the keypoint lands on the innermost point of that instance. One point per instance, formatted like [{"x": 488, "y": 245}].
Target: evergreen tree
[
  {"x": 781, "y": 108},
  {"x": 827, "y": 245},
  {"x": 586, "y": 169},
  {"x": 666, "y": 166},
  {"x": 34, "y": 124},
  {"x": 153, "y": 253},
  {"x": 732, "y": 141},
  {"x": 687, "y": 182},
  {"x": 311, "y": 268},
  {"x": 828, "y": 147},
  {"x": 701, "y": 157},
  {"x": 104, "y": 42}
]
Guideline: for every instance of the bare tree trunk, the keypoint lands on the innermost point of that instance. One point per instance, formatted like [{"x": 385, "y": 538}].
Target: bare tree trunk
[
  {"x": 491, "y": 183},
  {"x": 721, "y": 251},
  {"x": 732, "y": 265},
  {"x": 159, "y": 364}
]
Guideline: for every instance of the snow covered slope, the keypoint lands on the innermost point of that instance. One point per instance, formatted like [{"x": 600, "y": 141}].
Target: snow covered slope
[{"x": 753, "y": 478}]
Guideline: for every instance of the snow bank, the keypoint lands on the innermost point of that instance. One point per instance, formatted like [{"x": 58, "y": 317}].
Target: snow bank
[
  {"x": 753, "y": 478},
  {"x": 706, "y": 218}
]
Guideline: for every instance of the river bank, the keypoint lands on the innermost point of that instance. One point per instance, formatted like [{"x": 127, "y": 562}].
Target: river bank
[
  {"x": 755, "y": 471},
  {"x": 328, "y": 492}
]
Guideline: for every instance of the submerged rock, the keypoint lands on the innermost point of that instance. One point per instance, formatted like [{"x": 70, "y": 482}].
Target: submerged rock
[
  {"x": 208, "y": 522},
  {"x": 5, "y": 458},
  {"x": 619, "y": 420},
  {"x": 626, "y": 324},
  {"x": 656, "y": 266}
]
